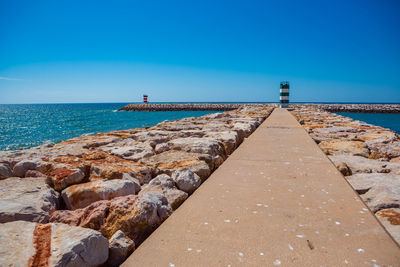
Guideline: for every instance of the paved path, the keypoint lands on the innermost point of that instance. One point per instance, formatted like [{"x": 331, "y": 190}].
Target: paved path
[{"x": 276, "y": 201}]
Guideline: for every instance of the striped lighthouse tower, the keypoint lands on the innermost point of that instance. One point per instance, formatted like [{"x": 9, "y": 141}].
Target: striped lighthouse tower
[{"x": 284, "y": 94}]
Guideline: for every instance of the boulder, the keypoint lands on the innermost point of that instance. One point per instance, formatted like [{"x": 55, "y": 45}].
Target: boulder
[
  {"x": 5, "y": 171},
  {"x": 136, "y": 216},
  {"x": 170, "y": 161},
  {"x": 379, "y": 191},
  {"x": 390, "y": 219},
  {"x": 61, "y": 178},
  {"x": 229, "y": 139},
  {"x": 333, "y": 147},
  {"x": 362, "y": 182},
  {"x": 186, "y": 180},
  {"x": 204, "y": 145},
  {"x": 24, "y": 165},
  {"x": 101, "y": 165},
  {"x": 33, "y": 244},
  {"x": 166, "y": 185},
  {"x": 26, "y": 199},
  {"x": 120, "y": 247},
  {"x": 359, "y": 164},
  {"x": 129, "y": 149},
  {"x": 82, "y": 195}
]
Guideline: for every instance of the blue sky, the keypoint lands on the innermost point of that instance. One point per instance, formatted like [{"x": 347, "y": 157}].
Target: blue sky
[{"x": 114, "y": 51}]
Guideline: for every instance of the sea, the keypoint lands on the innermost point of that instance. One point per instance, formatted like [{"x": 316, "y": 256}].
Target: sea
[
  {"x": 385, "y": 120},
  {"x": 29, "y": 125}
]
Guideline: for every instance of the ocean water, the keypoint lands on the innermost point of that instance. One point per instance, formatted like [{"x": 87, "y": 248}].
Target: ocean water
[
  {"x": 29, "y": 125},
  {"x": 386, "y": 120}
]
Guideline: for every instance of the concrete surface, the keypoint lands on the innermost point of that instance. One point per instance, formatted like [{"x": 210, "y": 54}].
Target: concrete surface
[{"x": 276, "y": 201}]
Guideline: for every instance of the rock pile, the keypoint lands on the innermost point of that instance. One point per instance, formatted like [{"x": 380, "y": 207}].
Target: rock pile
[
  {"x": 92, "y": 199},
  {"x": 367, "y": 155}
]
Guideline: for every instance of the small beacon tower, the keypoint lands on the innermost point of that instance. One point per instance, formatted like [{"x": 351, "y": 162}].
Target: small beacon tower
[
  {"x": 284, "y": 94},
  {"x": 145, "y": 98}
]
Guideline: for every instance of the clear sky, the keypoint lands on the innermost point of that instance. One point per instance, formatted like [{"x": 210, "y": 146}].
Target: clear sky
[{"x": 114, "y": 51}]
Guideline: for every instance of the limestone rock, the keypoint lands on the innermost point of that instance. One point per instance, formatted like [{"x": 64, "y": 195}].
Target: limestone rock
[
  {"x": 5, "y": 171},
  {"x": 207, "y": 146},
  {"x": 230, "y": 139},
  {"x": 129, "y": 149},
  {"x": 101, "y": 165},
  {"x": 82, "y": 195},
  {"x": 384, "y": 195},
  {"x": 359, "y": 164},
  {"x": 120, "y": 247},
  {"x": 32, "y": 244},
  {"x": 166, "y": 185},
  {"x": 170, "y": 161},
  {"x": 362, "y": 182},
  {"x": 356, "y": 148},
  {"x": 21, "y": 167},
  {"x": 186, "y": 180},
  {"x": 390, "y": 219},
  {"x": 136, "y": 216},
  {"x": 61, "y": 178},
  {"x": 26, "y": 199}
]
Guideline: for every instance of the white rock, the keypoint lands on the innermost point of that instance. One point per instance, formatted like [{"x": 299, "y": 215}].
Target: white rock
[
  {"x": 120, "y": 247},
  {"x": 27, "y": 199},
  {"x": 186, "y": 180}
]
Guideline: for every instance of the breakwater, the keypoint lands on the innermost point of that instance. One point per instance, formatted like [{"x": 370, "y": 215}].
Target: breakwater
[
  {"x": 188, "y": 106},
  {"x": 360, "y": 108},
  {"x": 355, "y": 108}
]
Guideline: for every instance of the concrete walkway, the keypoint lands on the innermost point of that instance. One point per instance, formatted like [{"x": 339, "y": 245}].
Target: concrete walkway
[{"x": 276, "y": 201}]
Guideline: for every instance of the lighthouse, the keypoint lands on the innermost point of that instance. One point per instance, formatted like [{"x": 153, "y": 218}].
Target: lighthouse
[
  {"x": 284, "y": 94},
  {"x": 145, "y": 98}
]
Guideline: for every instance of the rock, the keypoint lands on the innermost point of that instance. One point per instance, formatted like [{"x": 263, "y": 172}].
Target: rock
[
  {"x": 91, "y": 141},
  {"x": 166, "y": 185},
  {"x": 61, "y": 178},
  {"x": 395, "y": 160},
  {"x": 207, "y": 146},
  {"x": 333, "y": 147},
  {"x": 101, "y": 165},
  {"x": 21, "y": 167},
  {"x": 390, "y": 150},
  {"x": 136, "y": 216},
  {"x": 230, "y": 139},
  {"x": 170, "y": 161},
  {"x": 390, "y": 219},
  {"x": 82, "y": 195},
  {"x": 32, "y": 173},
  {"x": 26, "y": 199},
  {"x": 362, "y": 182},
  {"x": 359, "y": 164},
  {"x": 383, "y": 195},
  {"x": 186, "y": 180},
  {"x": 5, "y": 171},
  {"x": 32, "y": 244},
  {"x": 129, "y": 149},
  {"x": 120, "y": 247},
  {"x": 343, "y": 168}
]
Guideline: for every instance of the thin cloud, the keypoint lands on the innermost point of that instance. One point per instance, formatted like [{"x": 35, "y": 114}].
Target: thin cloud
[{"x": 9, "y": 79}]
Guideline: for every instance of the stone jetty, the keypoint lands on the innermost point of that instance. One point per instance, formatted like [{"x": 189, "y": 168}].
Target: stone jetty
[
  {"x": 95, "y": 199},
  {"x": 276, "y": 201},
  {"x": 360, "y": 108}
]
